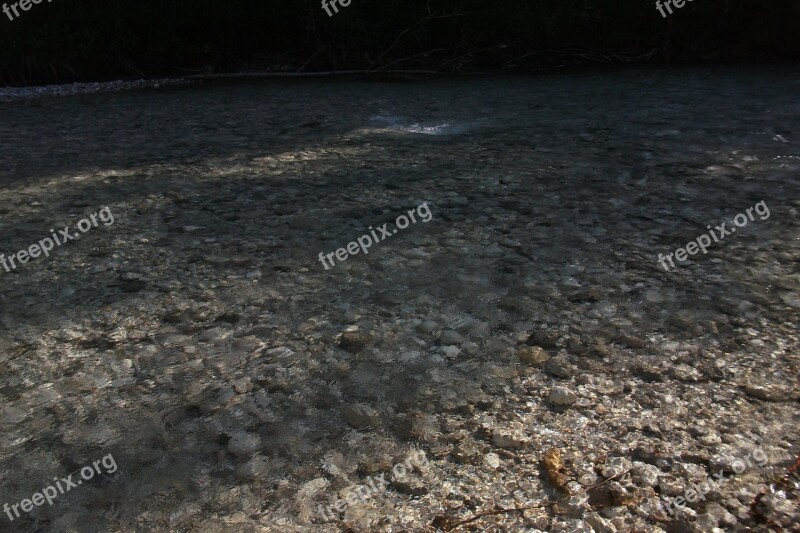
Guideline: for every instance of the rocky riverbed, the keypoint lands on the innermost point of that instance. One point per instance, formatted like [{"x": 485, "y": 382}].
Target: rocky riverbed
[{"x": 525, "y": 341}]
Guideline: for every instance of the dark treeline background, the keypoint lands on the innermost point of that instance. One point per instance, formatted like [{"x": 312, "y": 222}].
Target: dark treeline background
[{"x": 70, "y": 40}]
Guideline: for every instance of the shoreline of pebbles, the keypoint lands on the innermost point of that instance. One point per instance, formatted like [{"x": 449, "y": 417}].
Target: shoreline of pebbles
[{"x": 13, "y": 94}]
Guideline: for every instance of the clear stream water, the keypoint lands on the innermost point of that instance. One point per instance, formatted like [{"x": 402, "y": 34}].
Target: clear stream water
[{"x": 239, "y": 384}]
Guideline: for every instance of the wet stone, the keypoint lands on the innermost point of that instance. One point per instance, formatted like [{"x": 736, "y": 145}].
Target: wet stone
[
  {"x": 560, "y": 367},
  {"x": 769, "y": 393},
  {"x": 353, "y": 341},
  {"x": 544, "y": 339},
  {"x": 427, "y": 327},
  {"x": 244, "y": 444},
  {"x": 242, "y": 385},
  {"x": 631, "y": 341},
  {"x": 562, "y": 396},
  {"x": 360, "y": 415},
  {"x": 615, "y": 467},
  {"x": 450, "y": 337},
  {"x": 492, "y": 460},
  {"x": 532, "y": 355},
  {"x": 645, "y": 474},
  {"x": 254, "y": 469}
]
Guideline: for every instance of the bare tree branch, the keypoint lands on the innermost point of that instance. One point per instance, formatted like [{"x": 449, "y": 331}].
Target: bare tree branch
[{"x": 414, "y": 26}]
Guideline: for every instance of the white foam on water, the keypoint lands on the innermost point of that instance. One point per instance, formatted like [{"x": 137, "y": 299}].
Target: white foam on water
[{"x": 396, "y": 123}]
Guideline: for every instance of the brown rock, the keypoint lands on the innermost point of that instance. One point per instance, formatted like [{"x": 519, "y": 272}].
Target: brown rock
[
  {"x": 353, "y": 341},
  {"x": 532, "y": 355}
]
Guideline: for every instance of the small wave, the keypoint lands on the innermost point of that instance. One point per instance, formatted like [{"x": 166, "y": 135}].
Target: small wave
[{"x": 395, "y": 123}]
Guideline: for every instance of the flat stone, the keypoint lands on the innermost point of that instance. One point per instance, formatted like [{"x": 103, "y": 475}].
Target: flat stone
[
  {"x": 769, "y": 393},
  {"x": 427, "y": 326},
  {"x": 450, "y": 337}
]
